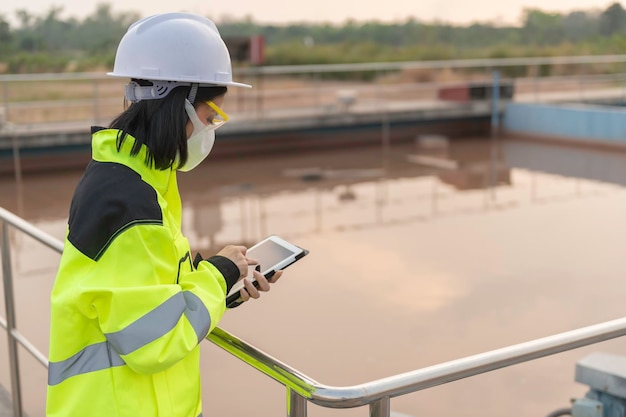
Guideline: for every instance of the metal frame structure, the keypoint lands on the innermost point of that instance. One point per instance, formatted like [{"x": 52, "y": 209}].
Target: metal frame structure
[
  {"x": 257, "y": 102},
  {"x": 9, "y": 323},
  {"x": 302, "y": 389}
]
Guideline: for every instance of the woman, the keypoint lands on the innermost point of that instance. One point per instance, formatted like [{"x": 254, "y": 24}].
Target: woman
[{"x": 129, "y": 305}]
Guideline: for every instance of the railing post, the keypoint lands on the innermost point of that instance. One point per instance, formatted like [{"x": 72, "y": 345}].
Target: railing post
[
  {"x": 17, "y": 162},
  {"x": 296, "y": 404},
  {"x": 96, "y": 102},
  {"x": 10, "y": 312},
  {"x": 495, "y": 100},
  {"x": 5, "y": 100},
  {"x": 381, "y": 408}
]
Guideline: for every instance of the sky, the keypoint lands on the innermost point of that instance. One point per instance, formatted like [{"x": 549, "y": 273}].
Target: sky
[{"x": 332, "y": 11}]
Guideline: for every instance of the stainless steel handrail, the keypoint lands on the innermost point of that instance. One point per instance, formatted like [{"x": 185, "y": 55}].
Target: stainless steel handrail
[
  {"x": 301, "y": 388},
  {"x": 397, "y": 385},
  {"x": 9, "y": 324}
]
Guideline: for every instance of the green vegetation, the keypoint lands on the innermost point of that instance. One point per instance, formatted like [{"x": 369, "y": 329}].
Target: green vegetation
[{"x": 48, "y": 43}]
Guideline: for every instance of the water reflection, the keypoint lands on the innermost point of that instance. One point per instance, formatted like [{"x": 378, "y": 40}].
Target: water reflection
[
  {"x": 242, "y": 200},
  {"x": 334, "y": 195},
  {"x": 419, "y": 254}
]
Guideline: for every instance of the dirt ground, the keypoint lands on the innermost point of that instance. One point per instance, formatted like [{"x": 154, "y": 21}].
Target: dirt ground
[{"x": 86, "y": 98}]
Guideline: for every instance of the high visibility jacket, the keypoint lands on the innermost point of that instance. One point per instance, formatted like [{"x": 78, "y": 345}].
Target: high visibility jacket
[{"x": 129, "y": 305}]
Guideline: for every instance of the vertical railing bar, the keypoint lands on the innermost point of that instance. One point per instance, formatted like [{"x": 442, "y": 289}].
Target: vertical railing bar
[
  {"x": 381, "y": 408},
  {"x": 96, "y": 102},
  {"x": 296, "y": 404},
  {"x": 26, "y": 344},
  {"x": 17, "y": 162},
  {"x": 40, "y": 357},
  {"x": 5, "y": 101},
  {"x": 10, "y": 319}
]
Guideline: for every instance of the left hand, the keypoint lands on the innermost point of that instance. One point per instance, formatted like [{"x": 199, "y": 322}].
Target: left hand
[{"x": 250, "y": 291}]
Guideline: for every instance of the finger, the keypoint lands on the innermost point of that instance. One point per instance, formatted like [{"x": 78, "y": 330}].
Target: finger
[
  {"x": 252, "y": 261},
  {"x": 263, "y": 284},
  {"x": 243, "y": 294},
  {"x": 252, "y": 291},
  {"x": 276, "y": 276}
]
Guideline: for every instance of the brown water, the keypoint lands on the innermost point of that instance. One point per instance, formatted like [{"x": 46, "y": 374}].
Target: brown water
[{"x": 410, "y": 266}]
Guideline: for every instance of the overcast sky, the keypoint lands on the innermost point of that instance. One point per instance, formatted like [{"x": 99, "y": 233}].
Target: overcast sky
[{"x": 334, "y": 11}]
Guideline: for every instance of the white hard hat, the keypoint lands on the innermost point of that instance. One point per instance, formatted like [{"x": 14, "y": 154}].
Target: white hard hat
[{"x": 173, "y": 49}]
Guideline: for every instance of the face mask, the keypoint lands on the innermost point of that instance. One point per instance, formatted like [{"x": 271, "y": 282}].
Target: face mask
[{"x": 200, "y": 142}]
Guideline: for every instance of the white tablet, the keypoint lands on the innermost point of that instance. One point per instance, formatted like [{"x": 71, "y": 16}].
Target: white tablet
[{"x": 273, "y": 254}]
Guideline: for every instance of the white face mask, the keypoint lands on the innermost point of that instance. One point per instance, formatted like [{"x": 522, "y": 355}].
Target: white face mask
[{"x": 200, "y": 142}]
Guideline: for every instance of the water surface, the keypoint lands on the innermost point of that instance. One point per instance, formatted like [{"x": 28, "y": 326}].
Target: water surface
[{"x": 419, "y": 255}]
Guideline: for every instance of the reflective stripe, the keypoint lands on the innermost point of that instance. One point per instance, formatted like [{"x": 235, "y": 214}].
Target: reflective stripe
[
  {"x": 160, "y": 321},
  {"x": 92, "y": 358},
  {"x": 197, "y": 314},
  {"x": 147, "y": 329}
]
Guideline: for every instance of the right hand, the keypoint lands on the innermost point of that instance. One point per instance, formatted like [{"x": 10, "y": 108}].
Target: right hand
[
  {"x": 250, "y": 291},
  {"x": 237, "y": 254}
]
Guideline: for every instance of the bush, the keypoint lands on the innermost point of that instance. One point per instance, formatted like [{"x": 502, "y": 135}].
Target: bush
[{"x": 26, "y": 62}]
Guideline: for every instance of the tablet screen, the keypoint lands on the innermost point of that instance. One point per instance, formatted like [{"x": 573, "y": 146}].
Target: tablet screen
[
  {"x": 273, "y": 254},
  {"x": 269, "y": 253}
]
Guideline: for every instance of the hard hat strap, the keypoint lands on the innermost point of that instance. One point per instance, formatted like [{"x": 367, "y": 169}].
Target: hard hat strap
[
  {"x": 193, "y": 92},
  {"x": 158, "y": 89}
]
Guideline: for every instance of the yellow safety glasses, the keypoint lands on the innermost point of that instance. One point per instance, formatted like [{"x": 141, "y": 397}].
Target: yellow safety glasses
[{"x": 220, "y": 116}]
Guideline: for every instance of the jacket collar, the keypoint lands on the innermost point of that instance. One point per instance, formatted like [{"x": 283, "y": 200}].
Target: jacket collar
[{"x": 104, "y": 149}]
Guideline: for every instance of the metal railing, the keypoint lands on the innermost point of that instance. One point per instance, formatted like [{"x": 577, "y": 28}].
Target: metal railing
[
  {"x": 95, "y": 98},
  {"x": 9, "y": 324},
  {"x": 302, "y": 389}
]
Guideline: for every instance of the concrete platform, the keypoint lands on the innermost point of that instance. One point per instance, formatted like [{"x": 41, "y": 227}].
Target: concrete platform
[{"x": 50, "y": 146}]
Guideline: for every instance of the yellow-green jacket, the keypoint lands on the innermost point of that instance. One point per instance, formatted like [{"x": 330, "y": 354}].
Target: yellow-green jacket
[{"x": 129, "y": 305}]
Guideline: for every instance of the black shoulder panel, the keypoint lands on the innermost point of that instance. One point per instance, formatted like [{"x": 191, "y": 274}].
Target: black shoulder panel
[{"x": 109, "y": 198}]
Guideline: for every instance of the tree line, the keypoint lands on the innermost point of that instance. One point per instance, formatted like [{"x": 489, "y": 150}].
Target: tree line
[{"x": 49, "y": 43}]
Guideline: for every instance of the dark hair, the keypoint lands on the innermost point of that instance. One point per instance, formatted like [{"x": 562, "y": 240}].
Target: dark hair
[{"x": 160, "y": 125}]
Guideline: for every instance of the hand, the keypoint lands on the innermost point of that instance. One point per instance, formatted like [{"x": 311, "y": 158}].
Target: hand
[
  {"x": 250, "y": 291},
  {"x": 237, "y": 254}
]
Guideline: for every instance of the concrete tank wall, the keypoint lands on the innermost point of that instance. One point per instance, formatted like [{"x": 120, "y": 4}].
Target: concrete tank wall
[{"x": 587, "y": 123}]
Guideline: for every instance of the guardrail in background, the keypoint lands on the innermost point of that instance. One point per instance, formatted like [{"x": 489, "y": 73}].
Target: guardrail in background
[
  {"x": 94, "y": 98},
  {"x": 9, "y": 324},
  {"x": 302, "y": 389}
]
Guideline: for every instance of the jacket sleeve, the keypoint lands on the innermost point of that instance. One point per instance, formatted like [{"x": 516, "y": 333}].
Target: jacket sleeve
[{"x": 152, "y": 306}]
